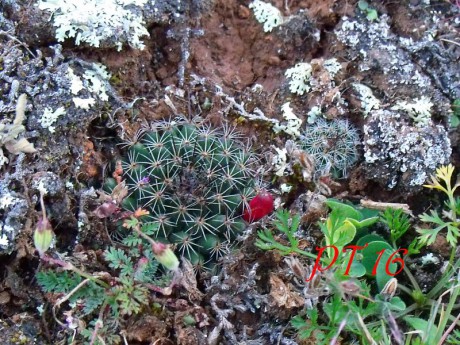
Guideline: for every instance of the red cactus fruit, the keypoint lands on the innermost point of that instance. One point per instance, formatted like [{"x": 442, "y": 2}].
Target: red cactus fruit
[{"x": 261, "y": 205}]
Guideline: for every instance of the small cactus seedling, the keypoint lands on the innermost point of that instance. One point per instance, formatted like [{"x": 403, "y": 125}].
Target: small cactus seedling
[
  {"x": 333, "y": 144},
  {"x": 195, "y": 183}
]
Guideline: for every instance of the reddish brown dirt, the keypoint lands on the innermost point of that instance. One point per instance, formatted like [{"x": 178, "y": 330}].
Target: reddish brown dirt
[{"x": 235, "y": 54}]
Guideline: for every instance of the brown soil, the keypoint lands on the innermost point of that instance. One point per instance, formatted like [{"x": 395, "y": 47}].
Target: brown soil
[{"x": 234, "y": 54}]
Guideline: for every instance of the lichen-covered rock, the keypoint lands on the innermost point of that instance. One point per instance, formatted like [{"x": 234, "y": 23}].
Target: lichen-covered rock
[
  {"x": 63, "y": 97},
  {"x": 5, "y": 24},
  {"x": 320, "y": 81},
  {"x": 109, "y": 25},
  {"x": 117, "y": 22},
  {"x": 402, "y": 143},
  {"x": 398, "y": 154},
  {"x": 15, "y": 205},
  {"x": 440, "y": 64},
  {"x": 383, "y": 59},
  {"x": 15, "y": 208}
]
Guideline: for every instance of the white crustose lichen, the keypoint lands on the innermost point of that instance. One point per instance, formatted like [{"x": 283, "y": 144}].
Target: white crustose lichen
[
  {"x": 94, "y": 80},
  {"x": 332, "y": 66}
]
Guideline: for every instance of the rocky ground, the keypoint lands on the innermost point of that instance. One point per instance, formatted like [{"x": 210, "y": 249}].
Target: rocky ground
[{"x": 393, "y": 75}]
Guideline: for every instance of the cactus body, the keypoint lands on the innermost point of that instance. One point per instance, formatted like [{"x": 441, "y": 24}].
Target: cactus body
[
  {"x": 194, "y": 182},
  {"x": 333, "y": 144}
]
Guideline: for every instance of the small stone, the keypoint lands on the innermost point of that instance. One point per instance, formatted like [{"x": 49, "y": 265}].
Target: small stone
[
  {"x": 5, "y": 297},
  {"x": 243, "y": 12}
]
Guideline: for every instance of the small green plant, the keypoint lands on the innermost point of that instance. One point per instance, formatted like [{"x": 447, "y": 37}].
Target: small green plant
[
  {"x": 449, "y": 219},
  {"x": 342, "y": 224},
  {"x": 379, "y": 259},
  {"x": 455, "y": 117},
  {"x": 194, "y": 181},
  {"x": 350, "y": 307},
  {"x": 340, "y": 229},
  {"x": 397, "y": 221},
  {"x": 371, "y": 13},
  {"x": 288, "y": 226},
  {"x": 102, "y": 300},
  {"x": 441, "y": 321},
  {"x": 454, "y": 338}
]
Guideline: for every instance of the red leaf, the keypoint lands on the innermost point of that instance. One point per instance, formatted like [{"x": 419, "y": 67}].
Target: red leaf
[{"x": 261, "y": 205}]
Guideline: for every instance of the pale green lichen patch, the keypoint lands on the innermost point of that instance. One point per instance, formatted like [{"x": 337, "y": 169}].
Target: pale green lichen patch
[
  {"x": 266, "y": 14},
  {"x": 292, "y": 124},
  {"x": 368, "y": 100},
  {"x": 97, "y": 21},
  {"x": 419, "y": 110},
  {"x": 299, "y": 78},
  {"x": 332, "y": 66},
  {"x": 49, "y": 117}
]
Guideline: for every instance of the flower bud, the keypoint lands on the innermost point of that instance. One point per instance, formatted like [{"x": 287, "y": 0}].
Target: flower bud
[
  {"x": 43, "y": 235},
  {"x": 165, "y": 256},
  {"x": 350, "y": 287},
  {"x": 390, "y": 287},
  {"x": 261, "y": 205},
  {"x": 140, "y": 268}
]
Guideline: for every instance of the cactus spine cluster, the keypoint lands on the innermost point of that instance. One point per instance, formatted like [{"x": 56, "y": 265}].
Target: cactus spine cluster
[
  {"x": 333, "y": 144},
  {"x": 195, "y": 183}
]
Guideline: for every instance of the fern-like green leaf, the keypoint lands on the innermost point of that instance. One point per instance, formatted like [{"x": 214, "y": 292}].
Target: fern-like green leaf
[
  {"x": 397, "y": 221},
  {"x": 303, "y": 327},
  {"x": 433, "y": 218},
  {"x": 132, "y": 240},
  {"x": 454, "y": 338},
  {"x": 57, "y": 282},
  {"x": 452, "y": 234},
  {"x": 266, "y": 241},
  {"x": 93, "y": 295},
  {"x": 282, "y": 222},
  {"x": 118, "y": 259},
  {"x": 150, "y": 228},
  {"x": 429, "y": 235}
]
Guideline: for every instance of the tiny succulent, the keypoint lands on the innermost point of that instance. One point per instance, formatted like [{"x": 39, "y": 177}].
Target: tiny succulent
[
  {"x": 194, "y": 181},
  {"x": 333, "y": 144}
]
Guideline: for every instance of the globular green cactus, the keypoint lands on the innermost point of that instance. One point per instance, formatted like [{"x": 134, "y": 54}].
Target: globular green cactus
[
  {"x": 194, "y": 181},
  {"x": 333, "y": 144}
]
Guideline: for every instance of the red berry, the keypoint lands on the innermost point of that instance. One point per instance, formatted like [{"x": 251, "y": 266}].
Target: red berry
[{"x": 261, "y": 205}]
